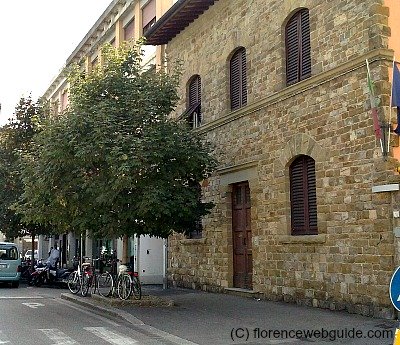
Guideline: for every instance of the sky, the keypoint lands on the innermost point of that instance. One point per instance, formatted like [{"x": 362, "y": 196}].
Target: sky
[{"x": 36, "y": 38}]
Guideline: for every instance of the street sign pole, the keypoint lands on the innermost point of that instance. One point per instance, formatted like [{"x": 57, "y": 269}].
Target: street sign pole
[{"x": 394, "y": 292}]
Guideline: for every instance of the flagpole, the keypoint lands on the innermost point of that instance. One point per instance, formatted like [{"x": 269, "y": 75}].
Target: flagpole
[
  {"x": 373, "y": 107},
  {"x": 390, "y": 103}
]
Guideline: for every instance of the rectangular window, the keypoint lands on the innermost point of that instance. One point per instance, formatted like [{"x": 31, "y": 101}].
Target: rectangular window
[
  {"x": 8, "y": 252},
  {"x": 148, "y": 15},
  {"x": 64, "y": 100},
  {"x": 129, "y": 30},
  {"x": 196, "y": 231},
  {"x": 94, "y": 62}
]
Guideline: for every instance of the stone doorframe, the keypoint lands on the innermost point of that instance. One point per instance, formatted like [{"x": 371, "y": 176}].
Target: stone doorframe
[{"x": 228, "y": 177}]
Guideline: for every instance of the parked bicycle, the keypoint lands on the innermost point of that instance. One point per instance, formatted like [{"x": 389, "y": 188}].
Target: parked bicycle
[
  {"x": 85, "y": 278},
  {"x": 75, "y": 281},
  {"x": 128, "y": 283}
]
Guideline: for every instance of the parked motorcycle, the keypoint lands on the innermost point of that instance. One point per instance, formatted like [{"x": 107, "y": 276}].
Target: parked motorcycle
[
  {"x": 37, "y": 277},
  {"x": 45, "y": 274},
  {"x": 58, "y": 276},
  {"x": 26, "y": 270}
]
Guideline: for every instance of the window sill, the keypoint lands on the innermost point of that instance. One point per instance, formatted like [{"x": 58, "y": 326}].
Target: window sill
[
  {"x": 321, "y": 238},
  {"x": 193, "y": 241}
]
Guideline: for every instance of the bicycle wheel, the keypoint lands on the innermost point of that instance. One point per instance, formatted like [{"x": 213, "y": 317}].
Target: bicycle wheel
[
  {"x": 136, "y": 288},
  {"x": 86, "y": 282},
  {"x": 124, "y": 287},
  {"x": 74, "y": 283},
  {"x": 105, "y": 284}
]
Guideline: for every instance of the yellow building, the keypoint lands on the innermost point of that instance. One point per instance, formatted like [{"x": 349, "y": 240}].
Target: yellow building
[{"x": 122, "y": 20}]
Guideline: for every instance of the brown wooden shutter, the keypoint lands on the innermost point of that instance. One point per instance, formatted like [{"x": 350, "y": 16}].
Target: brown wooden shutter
[
  {"x": 235, "y": 82},
  {"x": 244, "y": 78},
  {"x": 297, "y": 196},
  {"x": 238, "y": 79},
  {"x": 305, "y": 45},
  {"x": 298, "y": 48},
  {"x": 195, "y": 91},
  {"x": 292, "y": 51},
  {"x": 312, "y": 195},
  {"x": 303, "y": 197},
  {"x": 194, "y": 101}
]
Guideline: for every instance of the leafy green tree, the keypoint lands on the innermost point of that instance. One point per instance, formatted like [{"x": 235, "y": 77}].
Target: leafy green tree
[
  {"x": 16, "y": 140},
  {"x": 10, "y": 188},
  {"x": 115, "y": 163}
]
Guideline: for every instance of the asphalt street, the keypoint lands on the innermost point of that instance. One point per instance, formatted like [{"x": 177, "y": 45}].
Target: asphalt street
[
  {"x": 212, "y": 318},
  {"x": 38, "y": 316},
  {"x": 31, "y": 315}
]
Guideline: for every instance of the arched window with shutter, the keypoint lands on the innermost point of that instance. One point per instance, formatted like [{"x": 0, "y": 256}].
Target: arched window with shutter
[
  {"x": 298, "y": 48},
  {"x": 303, "y": 196},
  {"x": 193, "y": 112},
  {"x": 238, "y": 79}
]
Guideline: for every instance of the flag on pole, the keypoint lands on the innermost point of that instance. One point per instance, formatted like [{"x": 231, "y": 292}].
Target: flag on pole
[
  {"x": 396, "y": 94},
  {"x": 373, "y": 102}
]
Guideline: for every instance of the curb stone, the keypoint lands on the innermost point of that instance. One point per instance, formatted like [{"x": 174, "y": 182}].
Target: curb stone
[
  {"x": 106, "y": 310},
  {"x": 112, "y": 311},
  {"x": 145, "y": 301}
]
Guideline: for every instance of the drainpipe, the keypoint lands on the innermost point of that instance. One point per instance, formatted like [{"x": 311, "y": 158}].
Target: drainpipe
[
  {"x": 165, "y": 268},
  {"x": 138, "y": 263}
]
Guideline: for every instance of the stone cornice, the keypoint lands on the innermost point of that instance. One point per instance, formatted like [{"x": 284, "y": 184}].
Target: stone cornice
[
  {"x": 306, "y": 239},
  {"x": 92, "y": 39},
  {"x": 193, "y": 241},
  {"x": 298, "y": 88},
  {"x": 96, "y": 32},
  {"x": 234, "y": 168}
]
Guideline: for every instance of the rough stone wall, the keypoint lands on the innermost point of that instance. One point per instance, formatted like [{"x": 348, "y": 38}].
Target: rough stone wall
[{"x": 348, "y": 265}]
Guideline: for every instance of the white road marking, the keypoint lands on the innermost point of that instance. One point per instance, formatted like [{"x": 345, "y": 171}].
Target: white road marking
[
  {"x": 33, "y": 305},
  {"x": 167, "y": 336},
  {"x": 59, "y": 338},
  {"x": 111, "y": 337},
  {"x": 3, "y": 341},
  {"x": 20, "y": 297}
]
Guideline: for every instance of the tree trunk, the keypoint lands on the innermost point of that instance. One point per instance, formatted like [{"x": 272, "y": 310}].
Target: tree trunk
[
  {"x": 125, "y": 256},
  {"x": 33, "y": 251}
]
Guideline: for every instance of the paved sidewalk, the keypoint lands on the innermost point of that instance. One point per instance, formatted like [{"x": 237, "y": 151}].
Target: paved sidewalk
[{"x": 220, "y": 319}]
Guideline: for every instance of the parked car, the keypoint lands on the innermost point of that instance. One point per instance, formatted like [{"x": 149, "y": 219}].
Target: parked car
[
  {"x": 28, "y": 255},
  {"x": 10, "y": 264}
]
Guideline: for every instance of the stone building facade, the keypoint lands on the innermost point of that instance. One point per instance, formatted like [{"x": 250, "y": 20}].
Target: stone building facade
[{"x": 347, "y": 263}]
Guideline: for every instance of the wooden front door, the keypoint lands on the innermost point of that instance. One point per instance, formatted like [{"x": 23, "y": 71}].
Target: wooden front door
[{"x": 241, "y": 229}]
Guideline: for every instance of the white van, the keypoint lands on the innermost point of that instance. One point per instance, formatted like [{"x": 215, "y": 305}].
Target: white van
[
  {"x": 28, "y": 255},
  {"x": 10, "y": 264}
]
